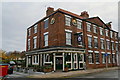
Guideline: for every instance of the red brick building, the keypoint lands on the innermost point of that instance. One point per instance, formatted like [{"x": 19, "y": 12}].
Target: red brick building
[{"x": 63, "y": 37}]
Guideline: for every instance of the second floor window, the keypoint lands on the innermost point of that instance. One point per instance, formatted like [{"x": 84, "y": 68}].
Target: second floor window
[
  {"x": 96, "y": 42},
  {"x": 101, "y": 31},
  {"x": 67, "y": 20},
  {"x": 29, "y": 31},
  {"x": 102, "y": 44},
  {"x": 89, "y": 27},
  {"x": 45, "y": 39},
  {"x": 46, "y": 23},
  {"x": 107, "y": 33},
  {"x": 68, "y": 38},
  {"x": 35, "y": 28},
  {"x": 35, "y": 42},
  {"x": 89, "y": 41},
  {"x": 95, "y": 29},
  {"x": 111, "y": 34},
  {"x": 116, "y": 36},
  {"x": 28, "y": 44},
  {"x": 79, "y": 24}
]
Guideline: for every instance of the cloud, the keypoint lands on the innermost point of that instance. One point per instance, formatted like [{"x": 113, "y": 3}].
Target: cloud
[{"x": 18, "y": 16}]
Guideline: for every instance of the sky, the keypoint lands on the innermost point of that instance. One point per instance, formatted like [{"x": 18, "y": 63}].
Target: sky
[{"x": 16, "y": 17}]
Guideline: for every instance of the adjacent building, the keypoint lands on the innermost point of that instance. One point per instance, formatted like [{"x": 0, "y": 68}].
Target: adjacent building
[{"x": 79, "y": 41}]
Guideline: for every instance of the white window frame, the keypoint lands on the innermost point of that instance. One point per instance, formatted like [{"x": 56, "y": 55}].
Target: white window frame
[
  {"x": 79, "y": 24},
  {"x": 89, "y": 36},
  {"x": 111, "y": 33},
  {"x": 113, "y": 58},
  {"x": 35, "y": 28},
  {"x": 28, "y": 44},
  {"x": 109, "y": 57},
  {"x": 90, "y": 58},
  {"x": 46, "y": 38},
  {"x": 102, "y": 43},
  {"x": 29, "y": 31},
  {"x": 94, "y": 41},
  {"x": 67, "y": 20},
  {"x": 95, "y": 28},
  {"x": 88, "y": 26},
  {"x": 103, "y": 57},
  {"x": 47, "y": 24},
  {"x": 35, "y": 42},
  {"x": 35, "y": 61},
  {"x": 96, "y": 52},
  {"x": 68, "y": 37}
]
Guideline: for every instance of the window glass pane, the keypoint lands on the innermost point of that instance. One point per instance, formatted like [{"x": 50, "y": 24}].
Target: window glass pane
[
  {"x": 35, "y": 28},
  {"x": 46, "y": 23},
  {"x": 88, "y": 26},
  {"x": 46, "y": 40},
  {"x": 67, "y": 20},
  {"x": 90, "y": 58},
  {"x": 79, "y": 24},
  {"x": 68, "y": 38}
]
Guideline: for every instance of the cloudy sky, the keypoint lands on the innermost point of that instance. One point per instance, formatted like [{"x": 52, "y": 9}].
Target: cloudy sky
[{"x": 16, "y": 17}]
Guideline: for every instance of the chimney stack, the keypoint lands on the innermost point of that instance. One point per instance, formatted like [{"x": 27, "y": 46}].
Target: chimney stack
[
  {"x": 84, "y": 14},
  {"x": 109, "y": 24},
  {"x": 49, "y": 11}
]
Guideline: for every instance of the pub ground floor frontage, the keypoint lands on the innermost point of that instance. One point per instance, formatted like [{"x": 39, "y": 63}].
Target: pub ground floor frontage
[{"x": 72, "y": 58}]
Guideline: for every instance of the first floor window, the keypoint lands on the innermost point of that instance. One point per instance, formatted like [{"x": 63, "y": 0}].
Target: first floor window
[
  {"x": 68, "y": 57},
  {"x": 68, "y": 38},
  {"x": 34, "y": 42},
  {"x": 97, "y": 57},
  {"x": 29, "y": 60},
  {"x": 108, "y": 45},
  {"x": 103, "y": 58},
  {"x": 102, "y": 44},
  {"x": 90, "y": 58},
  {"x": 113, "y": 48},
  {"x": 96, "y": 42},
  {"x": 89, "y": 41},
  {"x": 28, "y": 44},
  {"x": 46, "y": 39}
]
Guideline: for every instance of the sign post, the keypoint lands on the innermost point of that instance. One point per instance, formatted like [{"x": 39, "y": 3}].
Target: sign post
[{"x": 106, "y": 60}]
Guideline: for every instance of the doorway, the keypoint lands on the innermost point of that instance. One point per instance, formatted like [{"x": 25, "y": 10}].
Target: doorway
[{"x": 59, "y": 63}]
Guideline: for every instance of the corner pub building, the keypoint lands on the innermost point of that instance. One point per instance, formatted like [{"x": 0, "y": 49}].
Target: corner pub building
[{"x": 64, "y": 38}]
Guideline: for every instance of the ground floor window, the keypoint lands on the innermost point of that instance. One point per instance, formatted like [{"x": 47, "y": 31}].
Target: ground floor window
[
  {"x": 35, "y": 59},
  {"x": 109, "y": 59},
  {"x": 103, "y": 58},
  {"x": 113, "y": 58},
  {"x": 48, "y": 57},
  {"x": 97, "y": 57},
  {"x": 68, "y": 57},
  {"x": 90, "y": 58}
]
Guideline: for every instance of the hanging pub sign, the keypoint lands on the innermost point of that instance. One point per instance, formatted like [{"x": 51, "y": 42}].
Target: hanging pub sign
[
  {"x": 79, "y": 38},
  {"x": 52, "y": 21},
  {"x": 74, "y": 22}
]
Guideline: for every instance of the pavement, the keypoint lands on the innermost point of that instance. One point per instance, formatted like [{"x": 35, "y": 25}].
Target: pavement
[{"x": 70, "y": 74}]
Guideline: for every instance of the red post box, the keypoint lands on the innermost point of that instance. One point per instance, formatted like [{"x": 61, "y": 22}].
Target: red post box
[{"x": 3, "y": 70}]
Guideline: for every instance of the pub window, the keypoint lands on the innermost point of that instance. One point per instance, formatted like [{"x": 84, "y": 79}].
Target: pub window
[
  {"x": 95, "y": 28},
  {"x": 46, "y": 39},
  {"x": 113, "y": 58},
  {"x": 67, "y": 20},
  {"x": 95, "y": 42},
  {"x": 28, "y": 44},
  {"x": 90, "y": 58},
  {"x": 79, "y": 24},
  {"x": 89, "y": 41},
  {"x": 103, "y": 58},
  {"x": 107, "y": 32},
  {"x": 29, "y": 31},
  {"x": 35, "y": 42},
  {"x": 46, "y": 23},
  {"x": 68, "y": 38},
  {"x": 35, "y": 28},
  {"x": 109, "y": 58},
  {"x": 89, "y": 27},
  {"x": 108, "y": 45},
  {"x": 35, "y": 59},
  {"x": 97, "y": 57},
  {"x": 102, "y": 43}
]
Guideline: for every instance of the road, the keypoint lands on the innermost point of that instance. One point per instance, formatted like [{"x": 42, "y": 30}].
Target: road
[{"x": 105, "y": 74}]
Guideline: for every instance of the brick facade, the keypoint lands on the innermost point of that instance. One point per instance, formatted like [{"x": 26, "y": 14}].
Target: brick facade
[{"x": 57, "y": 35}]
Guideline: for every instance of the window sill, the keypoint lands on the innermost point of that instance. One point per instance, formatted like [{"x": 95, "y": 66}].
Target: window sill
[
  {"x": 97, "y": 63},
  {"x": 91, "y": 63}
]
